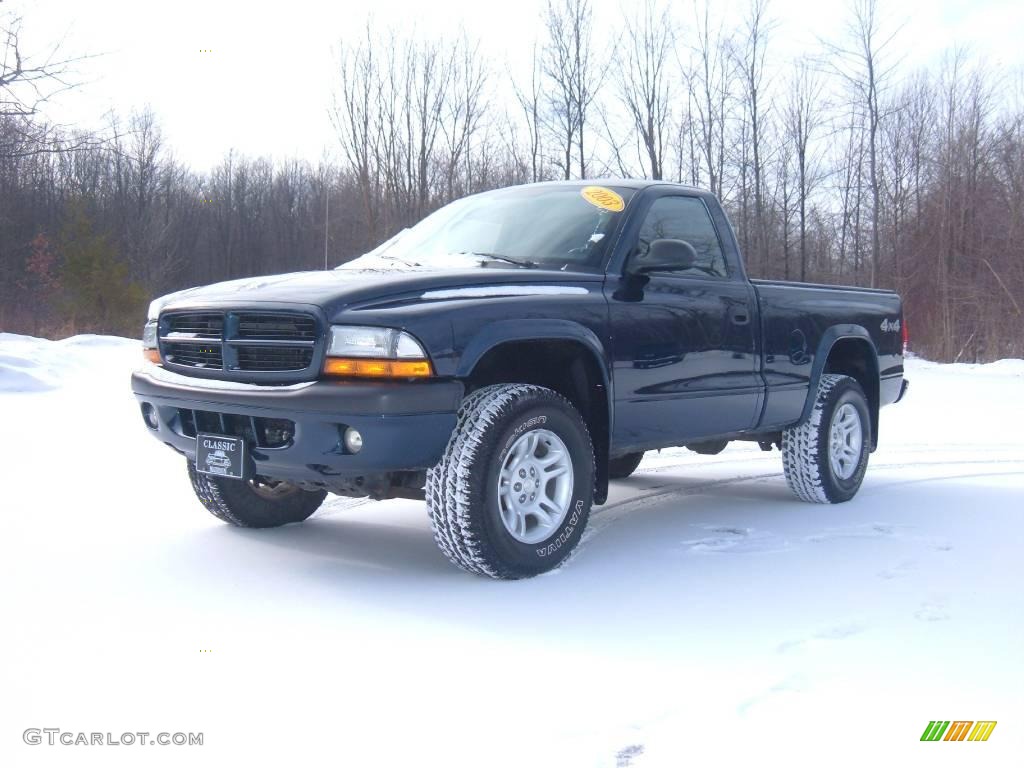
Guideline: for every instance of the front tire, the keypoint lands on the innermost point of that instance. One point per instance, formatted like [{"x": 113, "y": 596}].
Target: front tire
[
  {"x": 825, "y": 457},
  {"x": 512, "y": 494},
  {"x": 256, "y": 503}
]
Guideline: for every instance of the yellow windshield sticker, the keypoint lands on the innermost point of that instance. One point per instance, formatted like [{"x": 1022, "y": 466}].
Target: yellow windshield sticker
[{"x": 604, "y": 198}]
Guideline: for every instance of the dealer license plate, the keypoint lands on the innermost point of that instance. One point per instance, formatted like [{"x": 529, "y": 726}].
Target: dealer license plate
[{"x": 220, "y": 455}]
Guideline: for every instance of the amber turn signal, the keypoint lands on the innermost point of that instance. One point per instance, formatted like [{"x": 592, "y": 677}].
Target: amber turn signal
[
  {"x": 388, "y": 369},
  {"x": 152, "y": 355}
]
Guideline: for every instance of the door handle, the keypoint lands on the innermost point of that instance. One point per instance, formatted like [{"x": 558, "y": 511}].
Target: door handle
[{"x": 740, "y": 316}]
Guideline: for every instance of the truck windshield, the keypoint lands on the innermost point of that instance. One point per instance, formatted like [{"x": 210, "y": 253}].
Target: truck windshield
[{"x": 542, "y": 227}]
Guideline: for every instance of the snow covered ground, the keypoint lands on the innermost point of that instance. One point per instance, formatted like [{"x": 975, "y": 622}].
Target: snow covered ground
[{"x": 707, "y": 619}]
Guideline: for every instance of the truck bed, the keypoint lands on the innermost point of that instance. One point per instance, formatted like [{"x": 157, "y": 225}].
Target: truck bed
[{"x": 800, "y": 319}]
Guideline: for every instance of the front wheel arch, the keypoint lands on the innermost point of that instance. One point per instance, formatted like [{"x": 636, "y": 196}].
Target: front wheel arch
[
  {"x": 568, "y": 365},
  {"x": 463, "y": 490}
]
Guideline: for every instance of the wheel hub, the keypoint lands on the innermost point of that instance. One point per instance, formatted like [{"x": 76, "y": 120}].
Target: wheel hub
[
  {"x": 846, "y": 439},
  {"x": 535, "y": 486}
]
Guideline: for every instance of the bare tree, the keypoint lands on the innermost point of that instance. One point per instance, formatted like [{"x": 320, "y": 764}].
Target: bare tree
[
  {"x": 921, "y": 187},
  {"x": 863, "y": 61},
  {"x": 463, "y": 113},
  {"x": 430, "y": 75},
  {"x": 531, "y": 103},
  {"x": 572, "y": 84},
  {"x": 27, "y": 83},
  {"x": 406, "y": 113},
  {"x": 802, "y": 117},
  {"x": 686, "y": 144},
  {"x": 644, "y": 85},
  {"x": 355, "y": 117},
  {"x": 784, "y": 193},
  {"x": 711, "y": 76},
  {"x": 750, "y": 57},
  {"x": 850, "y": 173}
]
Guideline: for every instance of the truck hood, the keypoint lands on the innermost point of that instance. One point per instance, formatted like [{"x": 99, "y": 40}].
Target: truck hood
[{"x": 339, "y": 289}]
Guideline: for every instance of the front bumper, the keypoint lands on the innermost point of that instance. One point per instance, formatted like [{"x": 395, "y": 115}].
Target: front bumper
[{"x": 405, "y": 425}]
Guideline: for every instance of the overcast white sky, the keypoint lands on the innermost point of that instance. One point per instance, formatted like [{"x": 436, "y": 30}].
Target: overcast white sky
[{"x": 265, "y": 86}]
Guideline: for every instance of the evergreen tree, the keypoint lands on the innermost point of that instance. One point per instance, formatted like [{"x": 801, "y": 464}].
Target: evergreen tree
[{"x": 98, "y": 295}]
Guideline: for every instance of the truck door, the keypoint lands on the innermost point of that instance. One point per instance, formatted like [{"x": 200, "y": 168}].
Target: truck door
[{"x": 683, "y": 338}]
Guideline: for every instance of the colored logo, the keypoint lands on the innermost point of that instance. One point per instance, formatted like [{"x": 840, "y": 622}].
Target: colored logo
[{"x": 958, "y": 730}]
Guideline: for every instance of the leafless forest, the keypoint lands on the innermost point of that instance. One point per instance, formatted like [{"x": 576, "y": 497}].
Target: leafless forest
[{"x": 839, "y": 165}]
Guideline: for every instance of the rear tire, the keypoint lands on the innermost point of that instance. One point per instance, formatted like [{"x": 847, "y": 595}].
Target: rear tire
[
  {"x": 623, "y": 466},
  {"x": 511, "y": 495},
  {"x": 825, "y": 457},
  {"x": 253, "y": 504}
]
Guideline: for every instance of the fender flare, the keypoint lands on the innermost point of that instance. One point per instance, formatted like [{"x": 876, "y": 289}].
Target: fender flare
[
  {"x": 828, "y": 340},
  {"x": 537, "y": 329}
]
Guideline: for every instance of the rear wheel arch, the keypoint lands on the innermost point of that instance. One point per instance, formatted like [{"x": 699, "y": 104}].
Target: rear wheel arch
[
  {"x": 848, "y": 351},
  {"x": 825, "y": 457},
  {"x": 567, "y": 364}
]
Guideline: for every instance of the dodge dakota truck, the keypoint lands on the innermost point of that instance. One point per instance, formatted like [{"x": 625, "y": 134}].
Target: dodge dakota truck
[{"x": 508, "y": 356}]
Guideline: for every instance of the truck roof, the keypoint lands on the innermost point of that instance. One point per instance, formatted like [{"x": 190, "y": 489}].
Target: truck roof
[{"x": 616, "y": 182}]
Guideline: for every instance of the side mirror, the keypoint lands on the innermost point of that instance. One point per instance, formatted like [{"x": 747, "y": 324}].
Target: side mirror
[{"x": 664, "y": 256}]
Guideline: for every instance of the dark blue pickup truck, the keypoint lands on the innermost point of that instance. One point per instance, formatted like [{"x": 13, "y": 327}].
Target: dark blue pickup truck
[{"x": 508, "y": 356}]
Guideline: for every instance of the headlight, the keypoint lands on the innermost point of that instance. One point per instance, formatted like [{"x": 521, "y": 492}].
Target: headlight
[
  {"x": 362, "y": 341},
  {"x": 355, "y": 350},
  {"x": 149, "y": 342},
  {"x": 149, "y": 335}
]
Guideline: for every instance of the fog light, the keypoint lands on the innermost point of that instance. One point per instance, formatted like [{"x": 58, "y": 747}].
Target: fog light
[
  {"x": 149, "y": 415},
  {"x": 353, "y": 440}
]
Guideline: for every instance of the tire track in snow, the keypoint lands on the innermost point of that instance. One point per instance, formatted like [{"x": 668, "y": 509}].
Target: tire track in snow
[
  {"x": 764, "y": 456},
  {"x": 691, "y": 489},
  {"x": 340, "y": 504},
  {"x": 601, "y": 519}
]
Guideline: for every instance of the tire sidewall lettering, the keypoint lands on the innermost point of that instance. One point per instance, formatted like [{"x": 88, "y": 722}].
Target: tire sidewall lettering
[
  {"x": 530, "y": 423},
  {"x": 568, "y": 533}
]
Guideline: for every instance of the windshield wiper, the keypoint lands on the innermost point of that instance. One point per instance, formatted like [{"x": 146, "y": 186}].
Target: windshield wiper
[
  {"x": 400, "y": 260},
  {"x": 525, "y": 263}
]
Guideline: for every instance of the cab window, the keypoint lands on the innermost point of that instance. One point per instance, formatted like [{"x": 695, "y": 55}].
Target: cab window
[{"x": 685, "y": 218}]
